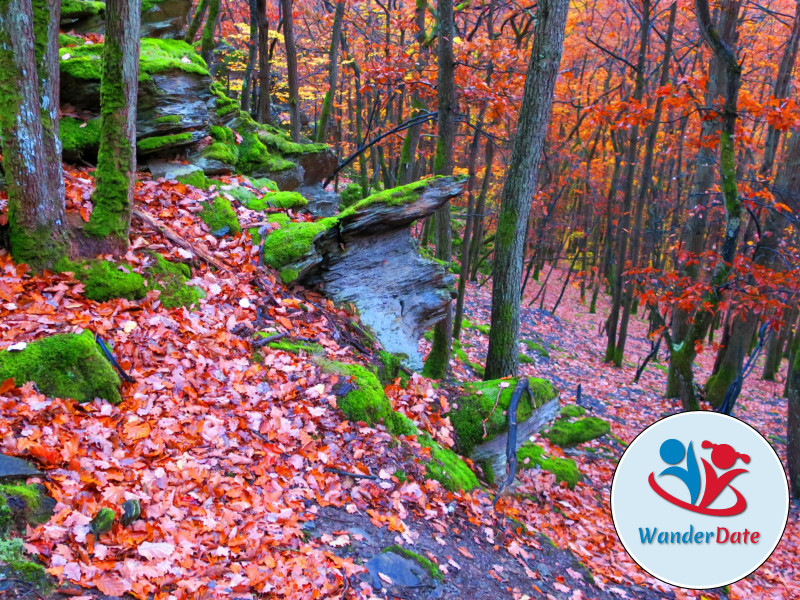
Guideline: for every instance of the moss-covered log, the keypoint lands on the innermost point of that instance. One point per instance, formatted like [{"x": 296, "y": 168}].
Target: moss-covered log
[
  {"x": 64, "y": 366},
  {"x": 571, "y": 433}
]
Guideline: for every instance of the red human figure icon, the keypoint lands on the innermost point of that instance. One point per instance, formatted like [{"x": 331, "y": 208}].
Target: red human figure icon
[{"x": 724, "y": 457}]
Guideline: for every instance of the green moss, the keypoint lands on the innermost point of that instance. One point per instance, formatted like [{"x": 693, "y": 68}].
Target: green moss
[
  {"x": 197, "y": 179},
  {"x": 477, "y": 405},
  {"x": 155, "y": 56},
  {"x": 447, "y": 467},
  {"x": 291, "y": 242},
  {"x": 428, "y": 335},
  {"x": 155, "y": 143},
  {"x": 104, "y": 280},
  {"x": 63, "y": 366},
  {"x": 536, "y": 347},
  {"x": 484, "y": 329},
  {"x": 77, "y": 135},
  {"x": 367, "y": 403},
  {"x": 297, "y": 347},
  {"x": 461, "y": 355},
  {"x": 398, "y": 196},
  {"x": 169, "y": 120},
  {"x": 280, "y": 143},
  {"x": 12, "y": 555},
  {"x": 572, "y": 411},
  {"x": 401, "y": 475},
  {"x": 350, "y": 195},
  {"x": 224, "y": 148},
  {"x": 390, "y": 367},
  {"x": 524, "y": 359},
  {"x": 289, "y": 275},
  {"x": 170, "y": 279},
  {"x": 282, "y": 200},
  {"x": 718, "y": 384},
  {"x": 224, "y": 105},
  {"x": 570, "y": 433},
  {"x": 430, "y": 567},
  {"x": 65, "y": 40},
  {"x": 254, "y": 156},
  {"x": 220, "y": 217},
  {"x": 80, "y": 8},
  {"x": 531, "y": 455},
  {"x": 264, "y": 182},
  {"x": 488, "y": 471}
]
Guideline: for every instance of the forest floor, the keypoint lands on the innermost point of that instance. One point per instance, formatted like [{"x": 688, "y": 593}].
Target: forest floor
[{"x": 252, "y": 483}]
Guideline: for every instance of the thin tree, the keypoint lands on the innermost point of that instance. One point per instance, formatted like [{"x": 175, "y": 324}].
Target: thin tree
[
  {"x": 515, "y": 204},
  {"x": 291, "y": 66},
  {"x": 197, "y": 19},
  {"x": 29, "y": 92},
  {"x": 264, "y": 70},
  {"x": 252, "y": 48},
  {"x": 793, "y": 426},
  {"x": 438, "y": 362},
  {"x": 116, "y": 159},
  {"x": 207, "y": 42},
  {"x": 333, "y": 72}
]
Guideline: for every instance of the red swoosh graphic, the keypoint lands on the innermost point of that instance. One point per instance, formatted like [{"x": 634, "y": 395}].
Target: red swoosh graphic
[{"x": 739, "y": 507}]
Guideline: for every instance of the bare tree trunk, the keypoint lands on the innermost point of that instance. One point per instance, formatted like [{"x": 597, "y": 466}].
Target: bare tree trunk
[
  {"x": 793, "y": 426},
  {"x": 480, "y": 208},
  {"x": 29, "y": 131},
  {"x": 264, "y": 74},
  {"x": 194, "y": 26},
  {"x": 437, "y": 365},
  {"x": 207, "y": 43},
  {"x": 291, "y": 66},
  {"x": 333, "y": 73},
  {"x": 252, "y": 47},
  {"x": 537, "y": 100}
]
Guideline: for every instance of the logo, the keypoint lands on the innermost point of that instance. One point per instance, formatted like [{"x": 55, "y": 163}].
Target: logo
[
  {"x": 699, "y": 500},
  {"x": 723, "y": 457}
]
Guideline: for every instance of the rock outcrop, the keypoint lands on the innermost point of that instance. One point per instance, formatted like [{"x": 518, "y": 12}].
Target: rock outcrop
[{"x": 366, "y": 255}]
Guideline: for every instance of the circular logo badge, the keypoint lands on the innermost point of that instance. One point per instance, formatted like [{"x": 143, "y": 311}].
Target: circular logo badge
[{"x": 699, "y": 500}]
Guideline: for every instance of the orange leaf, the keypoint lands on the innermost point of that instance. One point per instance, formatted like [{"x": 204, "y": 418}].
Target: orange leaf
[
  {"x": 7, "y": 385},
  {"x": 285, "y": 322}
]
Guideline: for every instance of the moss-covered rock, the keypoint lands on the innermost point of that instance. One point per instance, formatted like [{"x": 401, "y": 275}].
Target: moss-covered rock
[
  {"x": 291, "y": 242},
  {"x": 264, "y": 184},
  {"x": 429, "y": 566},
  {"x": 537, "y": 348},
  {"x": 391, "y": 367},
  {"x": 80, "y": 138},
  {"x": 22, "y": 505},
  {"x": 532, "y": 455},
  {"x": 398, "y": 196},
  {"x": 160, "y": 142},
  {"x": 479, "y": 407},
  {"x": 81, "y": 8},
  {"x": 570, "y": 433},
  {"x": 572, "y": 411},
  {"x": 15, "y": 565},
  {"x": 104, "y": 280},
  {"x": 220, "y": 217},
  {"x": 155, "y": 56},
  {"x": 297, "y": 347},
  {"x": 63, "y": 366},
  {"x": 282, "y": 200},
  {"x": 169, "y": 120},
  {"x": 447, "y": 467},
  {"x": 197, "y": 179},
  {"x": 223, "y": 148},
  {"x": 170, "y": 279},
  {"x": 254, "y": 157},
  {"x": 350, "y": 195},
  {"x": 279, "y": 143}
]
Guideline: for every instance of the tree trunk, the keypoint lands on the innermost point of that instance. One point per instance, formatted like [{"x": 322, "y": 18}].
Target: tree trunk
[
  {"x": 116, "y": 159},
  {"x": 480, "y": 207},
  {"x": 252, "y": 47},
  {"x": 191, "y": 32},
  {"x": 264, "y": 75},
  {"x": 437, "y": 365},
  {"x": 291, "y": 66},
  {"x": 333, "y": 73},
  {"x": 207, "y": 44},
  {"x": 537, "y": 99},
  {"x": 793, "y": 427},
  {"x": 28, "y": 129}
]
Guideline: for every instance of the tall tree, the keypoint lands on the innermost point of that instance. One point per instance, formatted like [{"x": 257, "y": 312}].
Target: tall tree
[
  {"x": 438, "y": 361},
  {"x": 333, "y": 72},
  {"x": 252, "y": 50},
  {"x": 264, "y": 75},
  {"x": 291, "y": 66},
  {"x": 116, "y": 159},
  {"x": 793, "y": 425},
  {"x": 29, "y": 92},
  {"x": 207, "y": 42},
  {"x": 515, "y": 203},
  {"x": 197, "y": 19}
]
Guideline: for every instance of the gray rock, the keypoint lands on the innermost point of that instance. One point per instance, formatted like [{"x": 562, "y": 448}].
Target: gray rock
[
  {"x": 16, "y": 468},
  {"x": 287, "y": 179},
  {"x": 372, "y": 261},
  {"x": 160, "y": 168},
  {"x": 321, "y": 203},
  {"x": 404, "y": 572},
  {"x": 317, "y": 166}
]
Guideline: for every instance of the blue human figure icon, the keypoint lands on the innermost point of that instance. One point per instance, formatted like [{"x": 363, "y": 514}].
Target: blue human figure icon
[{"x": 672, "y": 453}]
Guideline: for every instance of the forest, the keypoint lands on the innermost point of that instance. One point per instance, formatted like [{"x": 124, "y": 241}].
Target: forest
[{"x": 368, "y": 298}]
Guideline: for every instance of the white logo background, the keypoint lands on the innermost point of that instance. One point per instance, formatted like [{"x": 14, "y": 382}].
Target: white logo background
[{"x": 635, "y": 505}]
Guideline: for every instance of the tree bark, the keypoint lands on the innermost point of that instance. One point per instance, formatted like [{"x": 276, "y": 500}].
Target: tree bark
[
  {"x": 264, "y": 75},
  {"x": 333, "y": 73},
  {"x": 291, "y": 66},
  {"x": 116, "y": 159},
  {"x": 197, "y": 19},
  {"x": 207, "y": 43},
  {"x": 537, "y": 100},
  {"x": 793, "y": 426},
  {"x": 29, "y": 84},
  {"x": 252, "y": 47},
  {"x": 437, "y": 365}
]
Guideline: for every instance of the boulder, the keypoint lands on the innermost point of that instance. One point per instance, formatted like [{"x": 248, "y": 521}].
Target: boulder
[{"x": 366, "y": 255}]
